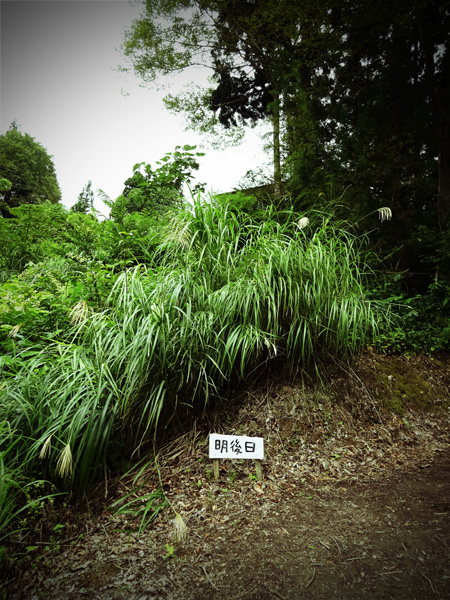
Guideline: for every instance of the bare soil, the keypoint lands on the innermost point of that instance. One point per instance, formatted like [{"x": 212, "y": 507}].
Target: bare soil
[{"x": 354, "y": 502}]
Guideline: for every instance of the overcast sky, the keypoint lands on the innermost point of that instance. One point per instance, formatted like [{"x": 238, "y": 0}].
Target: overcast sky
[{"x": 59, "y": 81}]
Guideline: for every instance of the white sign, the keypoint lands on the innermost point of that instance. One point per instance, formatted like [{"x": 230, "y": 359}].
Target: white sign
[{"x": 235, "y": 446}]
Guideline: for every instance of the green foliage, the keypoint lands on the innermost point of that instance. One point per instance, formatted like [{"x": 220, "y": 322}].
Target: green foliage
[
  {"x": 23, "y": 237},
  {"x": 37, "y": 305},
  {"x": 27, "y": 310},
  {"x": 379, "y": 101},
  {"x": 422, "y": 323},
  {"x": 50, "y": 260},
  {"x": 170, "y": 551},
  {"x": 228, "y": 294},
  {"x": 195, "y": 105},
  {"x": 5, "y": 184},
  {"x": 241, "y": 203},
  {"x": 261, "y": 65},
  {"x": 157, "y": 190},
  {"x": 357, "y": 94},
  {"x": 85, "y": 202},
  {"x": 64, "y": 426},
  {"x": 30, "y": 170},
  {"x": 47, "y": 230},
  {"x": 19, "y": 496},
  {"x": 166, "y": 38},
  {"x": 99, "y": 363},
  {"x": 145, "y": 507}
]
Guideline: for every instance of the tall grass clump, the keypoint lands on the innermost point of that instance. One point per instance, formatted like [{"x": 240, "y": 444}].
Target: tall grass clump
[{"x": 223, "y": 293}]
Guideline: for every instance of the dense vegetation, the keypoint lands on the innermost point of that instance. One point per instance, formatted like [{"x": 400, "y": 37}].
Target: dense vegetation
[
  {"x": 112, "y": 330},
  {"x": 109, "y": 333},
  {"x": 27, "y": 172}
]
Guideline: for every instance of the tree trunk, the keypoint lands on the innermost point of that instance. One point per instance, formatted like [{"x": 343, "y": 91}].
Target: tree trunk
[
  {"x": 276, "y": 143},
  {"x": 444, "y": 182}
]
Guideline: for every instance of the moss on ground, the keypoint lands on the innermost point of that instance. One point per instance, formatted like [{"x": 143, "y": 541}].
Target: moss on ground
[{"x": 400, "y": 385}]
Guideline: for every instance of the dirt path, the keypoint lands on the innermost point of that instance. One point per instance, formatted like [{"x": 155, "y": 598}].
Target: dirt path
[
  {"x": 383, "y": 539},
  {"x": 348, "y": 509},
  {"x": 369, "y": 540}
]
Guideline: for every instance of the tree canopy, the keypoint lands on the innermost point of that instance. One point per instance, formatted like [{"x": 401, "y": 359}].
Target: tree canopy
[
  {"x": 358, "y": 93},
  {"x": 232, "y": 37},
  {"x": 30, "y": 170},
  {"x": 388, "y": 92}
]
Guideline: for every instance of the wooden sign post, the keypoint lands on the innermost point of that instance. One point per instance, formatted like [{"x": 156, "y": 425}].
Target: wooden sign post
[{"x": 236, "y": 446}]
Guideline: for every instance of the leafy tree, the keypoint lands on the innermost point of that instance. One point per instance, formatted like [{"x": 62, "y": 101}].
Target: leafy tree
[
  {"x": 389, "y": 97},
  {"x": 383, "y": 101},
  {"x": 277, "y": 43},
  {"x": 85, "y": 200},
  {"x": 195, "y": 103},
  {"x": 252, "y": 47},
  {"x": 29, "y": 168},
  {"x": 157, "y": 190}
]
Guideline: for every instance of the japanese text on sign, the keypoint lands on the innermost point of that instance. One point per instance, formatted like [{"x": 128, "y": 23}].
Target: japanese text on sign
[{"x": 235, "y": 446}]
